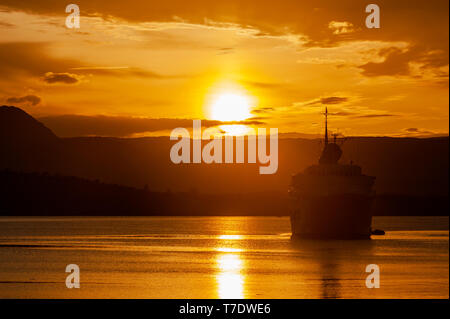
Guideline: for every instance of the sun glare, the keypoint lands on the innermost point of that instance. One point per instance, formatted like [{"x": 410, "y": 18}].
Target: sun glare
[
  {"x": 229, "y": 278},
  {"x": 230, "y": 107},
  {"x": 235, "y": 130}
]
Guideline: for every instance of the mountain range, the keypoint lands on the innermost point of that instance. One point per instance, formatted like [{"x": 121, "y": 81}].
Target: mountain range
[
  {"x": 409, "y": 166},
  {"x": 403, "y": 167}
]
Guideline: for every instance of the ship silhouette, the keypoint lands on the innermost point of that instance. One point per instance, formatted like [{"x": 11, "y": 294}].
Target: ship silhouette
[{"x": 331, "y": 200}]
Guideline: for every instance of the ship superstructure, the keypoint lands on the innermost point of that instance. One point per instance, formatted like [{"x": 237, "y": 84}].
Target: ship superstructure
[{"x": 331, "y": 200}]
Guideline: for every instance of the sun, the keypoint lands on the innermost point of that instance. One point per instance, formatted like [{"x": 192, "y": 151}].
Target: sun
[{"x": 230, "y": 107}]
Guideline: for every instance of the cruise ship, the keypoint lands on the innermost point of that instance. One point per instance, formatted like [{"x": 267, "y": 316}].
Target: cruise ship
[{"x": 331, "y": 200}]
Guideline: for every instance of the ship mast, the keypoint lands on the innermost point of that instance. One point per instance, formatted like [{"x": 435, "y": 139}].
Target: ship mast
[{"x": 326, "y": 126}]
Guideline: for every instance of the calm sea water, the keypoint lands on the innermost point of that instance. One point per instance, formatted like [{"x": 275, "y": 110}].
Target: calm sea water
[{"x": 217, "y": 257}]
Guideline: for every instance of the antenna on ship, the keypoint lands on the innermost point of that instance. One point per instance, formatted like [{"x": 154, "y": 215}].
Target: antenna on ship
[{"x": 326, "y": 126}]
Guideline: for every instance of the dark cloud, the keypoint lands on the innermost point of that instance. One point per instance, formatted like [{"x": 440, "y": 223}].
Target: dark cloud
[
  {"x": 422, "y": 24},
  {"x": 250, "y": 121},
  {"x": 360, "y": 115},
  {"x": 373, "y": 115},
  {"x": 33, "y": 58},
  {"x": 419, "y": 132},
  {"x": 397, "y": 62},
  {"x": 6, "y": 25},
  {"x": 415, "y": 21},
  {"x": 119, "y": 126},
  {"x": 225, "y": 50},
  {"x": 341, "y": 113},
  {"x": 327, "y": 100},
  {"x": 256, "y": 120},
  {"x": 433, "y": 59},
  {"x": 333, "y": 100},
  {"x": 28, "y": 99},
  {"x": 264, "y": 85},
  {"x": 262, "y": 110},
  {"x": 66, "y": 78},
  {"x": 123, "y": 71}
]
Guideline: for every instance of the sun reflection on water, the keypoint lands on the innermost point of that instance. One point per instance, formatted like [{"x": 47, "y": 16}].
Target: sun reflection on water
[
  {"x": 230, "y": 237},
  {"x": 229, "y": 250},
  {"x": 229, "y": 278}
]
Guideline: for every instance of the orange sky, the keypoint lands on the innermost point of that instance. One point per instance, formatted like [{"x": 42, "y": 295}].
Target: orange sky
[{"x": 138, "y": 61}]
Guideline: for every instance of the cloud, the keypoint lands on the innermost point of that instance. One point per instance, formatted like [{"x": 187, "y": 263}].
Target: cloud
[
  {"x": 341, "y": 113},
  {"x": 255, "y": 120},
  {"x": 66, "y": 78},
  {"x": 350, "y": 112},
  {"x": 28, "y": 99},
  {"x": 227, "y": 50},
  {"x": 6, "y": 25},
  {"x": 374, "y": 115},
  {"x": 341, "y": 27},
  {"x": 333, "y": 100},
  {"x": 326, "y": 101},
  {"x": 398, "y": 62},
  {"x": 419, "y": 132},
  {"x": 262, "y": 110},
  {"x": 121, "y": 126},
  {"x": 319, "y": 24},
  {"x": 264, "y": 85},
  {"x": 360, "y": 114},
  {"x": 31, "y": 58},
  {"x": 120, "y": 71},
  {"x": 416, "y": 21}
]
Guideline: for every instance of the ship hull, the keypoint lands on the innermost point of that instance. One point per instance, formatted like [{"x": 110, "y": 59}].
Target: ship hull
[{"x": 343, "y": 216}]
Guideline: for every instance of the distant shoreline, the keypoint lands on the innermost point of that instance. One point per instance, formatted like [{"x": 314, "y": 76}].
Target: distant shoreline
[{"x": 42, "y": 194}]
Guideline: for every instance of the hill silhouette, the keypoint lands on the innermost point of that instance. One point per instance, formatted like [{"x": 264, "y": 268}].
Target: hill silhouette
[
  {"x": 18, "y": 127},
  {"x": 405, "y": 168}
]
